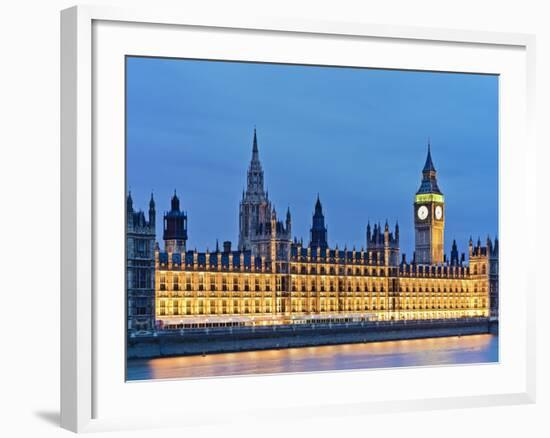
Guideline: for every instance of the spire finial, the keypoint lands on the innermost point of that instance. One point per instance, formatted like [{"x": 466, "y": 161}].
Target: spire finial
[
  {"x": 429, "y": 165},
  {"x": 255, "y": 143},
  {"x": 318, "y": 206}
]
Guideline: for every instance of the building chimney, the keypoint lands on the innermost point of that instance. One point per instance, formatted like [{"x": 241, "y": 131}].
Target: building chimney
[{"x": 227, "y": 246}]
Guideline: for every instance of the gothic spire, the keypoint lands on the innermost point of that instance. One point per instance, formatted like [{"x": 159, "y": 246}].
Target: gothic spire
[
  {"x": 318, "y": 231},
  {"x": 454, "y": 254},
  {"x": 175, "y": 202},
  {"x": 129, "y": 203},
  {"x": 288, "y": 221},
  {"x": 429, "y": 165},
  {"x": 255, "y": 146},
  {"x": 255, "y": 164},
  {"x": 255, "y": 177},
  {"x": 318, "y": 206},
  {"x": 429, "y": 180},
  {"x": 152, "y": 211}
]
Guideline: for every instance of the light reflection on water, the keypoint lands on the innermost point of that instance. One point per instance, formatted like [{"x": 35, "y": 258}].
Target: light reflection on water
[{"x": 414, "y": 352}]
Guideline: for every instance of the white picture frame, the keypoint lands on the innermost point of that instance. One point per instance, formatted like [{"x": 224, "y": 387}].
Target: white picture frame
[{"x": 85, "y": 178}]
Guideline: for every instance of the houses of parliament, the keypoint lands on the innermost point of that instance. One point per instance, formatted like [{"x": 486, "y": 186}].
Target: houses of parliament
[{"x": 271, "y": 278}]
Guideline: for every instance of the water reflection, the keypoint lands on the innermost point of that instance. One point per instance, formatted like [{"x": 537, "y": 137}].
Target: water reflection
[{"x": 415, "y": 352}]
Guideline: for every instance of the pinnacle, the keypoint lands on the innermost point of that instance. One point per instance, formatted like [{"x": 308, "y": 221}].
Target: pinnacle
[{"x": 429, "y": 165}]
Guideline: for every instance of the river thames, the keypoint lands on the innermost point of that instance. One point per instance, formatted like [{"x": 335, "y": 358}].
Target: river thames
[{"x": 416, "y": 352}]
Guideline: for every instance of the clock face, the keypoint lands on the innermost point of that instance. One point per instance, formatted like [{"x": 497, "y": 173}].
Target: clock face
[
  {"x": 422, "y": 212},
  {"x": 438, "y": 212}
]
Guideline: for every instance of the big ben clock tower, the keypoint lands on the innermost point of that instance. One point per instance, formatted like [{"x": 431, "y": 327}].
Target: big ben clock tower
[{"x": 429, "y": 217}]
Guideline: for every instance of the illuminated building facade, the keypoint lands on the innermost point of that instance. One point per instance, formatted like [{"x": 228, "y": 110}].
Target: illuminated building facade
[{"x": 271, "y": 279}]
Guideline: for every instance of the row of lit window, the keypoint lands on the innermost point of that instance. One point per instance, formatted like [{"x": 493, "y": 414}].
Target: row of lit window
[
  {"x": 322, "y": 289},
  {"x": 233, "y": 283},
  {"x": 257, "y": 306},
  {"x": 316, "y": 268},
  {"x": 313, "y": 269},
  {"x": 258, "y": 283}
]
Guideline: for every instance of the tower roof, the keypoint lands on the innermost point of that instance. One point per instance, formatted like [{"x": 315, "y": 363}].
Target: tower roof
[
  {"x": 175, "y": 203},
  {"x": 255, "y": 145},
  {"x": 429, "y": 165},
  {"x": 255, "y": 161},
  {"x": 255, "y": 175},
  {"x": 318, "y": 206},
  {"x": 429, "y": 179},
  {"x": 318, "y": 229},
  {"x": 129, "y": 202}
]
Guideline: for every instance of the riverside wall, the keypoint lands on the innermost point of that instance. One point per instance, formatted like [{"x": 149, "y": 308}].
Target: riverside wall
[{"x": 210, "y": 341}]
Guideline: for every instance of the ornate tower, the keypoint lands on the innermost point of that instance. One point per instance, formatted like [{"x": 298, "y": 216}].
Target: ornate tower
[
  {"x": 318, "y": 231},
  {"x": 140, "y": 267},
  {"x": 175, "y": 227},
  {"x": 255, "y": 207},
  {"x": 383, "y": 245},
  {"x": 429, "y": 217},
  {"x": 272, "y": 241}
]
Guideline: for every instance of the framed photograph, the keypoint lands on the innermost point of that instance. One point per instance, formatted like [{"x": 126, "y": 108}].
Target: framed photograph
[{"x": 253, "y": 208}]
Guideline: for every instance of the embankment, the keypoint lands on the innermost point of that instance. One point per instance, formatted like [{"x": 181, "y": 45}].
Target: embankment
[{"x": 210, "y": 341}]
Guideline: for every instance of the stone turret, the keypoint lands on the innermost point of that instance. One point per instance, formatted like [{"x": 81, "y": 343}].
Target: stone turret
[
  {"x": 140, "y": 267},
  {"x": 175, "y": 227},
  {"x": 318, "y": 231},
  {"x": 383, "y": 245}
]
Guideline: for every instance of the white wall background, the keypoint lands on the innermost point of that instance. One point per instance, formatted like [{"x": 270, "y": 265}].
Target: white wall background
[{"x": 29, "y": 213}]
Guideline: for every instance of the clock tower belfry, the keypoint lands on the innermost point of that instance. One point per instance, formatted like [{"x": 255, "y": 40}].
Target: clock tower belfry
[{"x": 429, "y": 217}]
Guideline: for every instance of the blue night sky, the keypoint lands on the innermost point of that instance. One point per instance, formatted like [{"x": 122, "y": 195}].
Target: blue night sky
[{"x": 358, "y": 137}]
